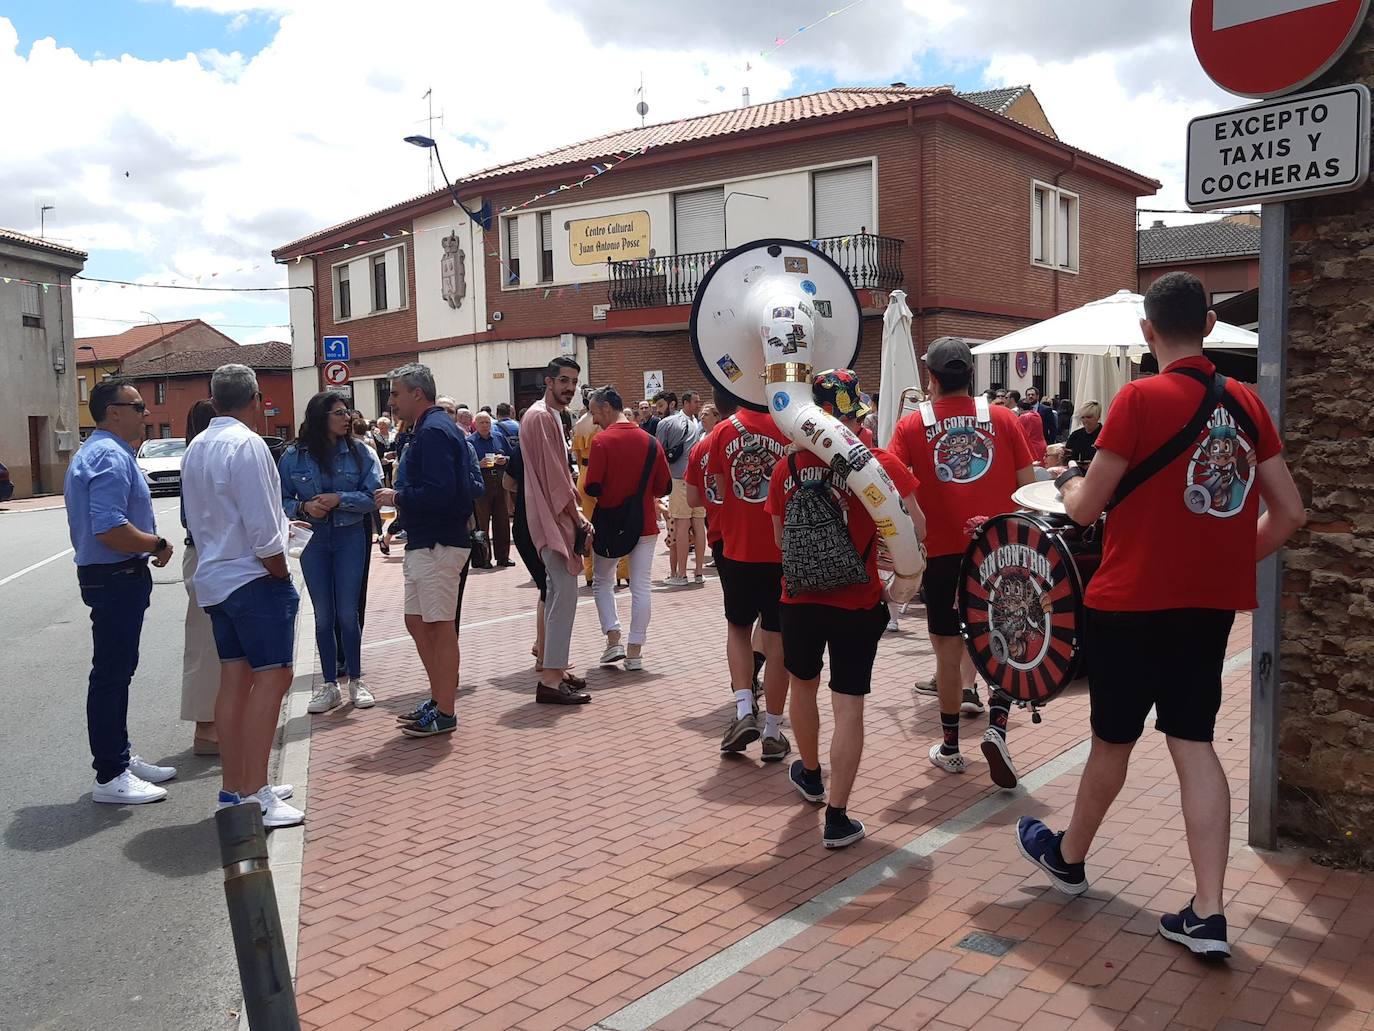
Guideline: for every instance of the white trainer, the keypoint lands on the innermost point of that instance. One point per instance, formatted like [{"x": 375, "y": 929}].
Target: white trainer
[
  {"x": 275, "y": 812},
  {"x": 634, "y": 663},
  {"x": 949, "y": 763},
  {"x": 280, "y": 790},
  {"x": 362, "y": 697},
  {"x": 326, "y": 697},
  {"x": 127, "y": 789},
  {"x": 675, "y": 581},
  {"x": 613, "y": 654},
  {"x": 145, "y": 770}
]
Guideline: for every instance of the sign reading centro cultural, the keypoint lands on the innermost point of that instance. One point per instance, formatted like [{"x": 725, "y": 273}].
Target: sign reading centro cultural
[{"x": 609, "y": 238}]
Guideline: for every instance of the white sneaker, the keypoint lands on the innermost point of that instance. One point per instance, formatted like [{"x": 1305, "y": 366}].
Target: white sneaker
[
  {"x": 892, "y": 626},
  {"x": 275, "y": 812},
  {"x": 634, "y": 663},
  {"x": 127, "y": 789},
  {"x": 326, "y": 697},
  {"x": 949, "y": 763},
  {"x": 675, "y": 581},
  {"x": 362, "y": 697},
  {"x": 613, "y": 654},
  {"x": 145, "y": 770},
  {"x": 1000, "y": 767},
  {"x": 280, "y": 790}
]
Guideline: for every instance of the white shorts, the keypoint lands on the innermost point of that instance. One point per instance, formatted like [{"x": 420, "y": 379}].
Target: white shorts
[{"x": 432, "y": 576}]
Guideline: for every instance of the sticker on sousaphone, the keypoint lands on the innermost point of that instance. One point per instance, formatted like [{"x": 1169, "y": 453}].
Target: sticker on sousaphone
[{"x": 1021, "y": 603}]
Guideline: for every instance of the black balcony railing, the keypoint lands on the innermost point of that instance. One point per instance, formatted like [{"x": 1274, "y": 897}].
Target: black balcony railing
[{"x": 871, "y": 262}]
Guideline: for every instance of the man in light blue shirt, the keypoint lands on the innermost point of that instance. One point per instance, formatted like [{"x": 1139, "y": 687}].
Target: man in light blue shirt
[{"x": 113, "y": 531}]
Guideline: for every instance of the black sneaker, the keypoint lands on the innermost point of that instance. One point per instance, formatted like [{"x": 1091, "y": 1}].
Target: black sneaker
[
  {"x": 431, "y": 725},
  {"x": 740, "y": 734},
  {"x": 807, "y": 782},
  {"x": 1203, "y": 936},
  {"x": 839, "y": 833},
  {"x": 971, "y": 705},
  {"x": 1040, "y": 845},
  {"x": 416, "y": 714}
]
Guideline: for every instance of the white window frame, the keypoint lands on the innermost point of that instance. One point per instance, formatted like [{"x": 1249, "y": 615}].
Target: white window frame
[
  {"x": 341, "y": 276},
  {"x": 31, "y": 305},
  {"x": 871, "y": 225},
  {"x": 377, "y": 261},
  {"x": 1055, "y": 198},
  {"x": 399, "y": 303},
  {"x": 83, "y": 390},
  {"x": 511, "y": 224},
  {"x": 543, "y": 220}
]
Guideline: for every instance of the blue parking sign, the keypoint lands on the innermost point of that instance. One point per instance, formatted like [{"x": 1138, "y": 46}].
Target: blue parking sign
[{"x": 336, "y": 349}]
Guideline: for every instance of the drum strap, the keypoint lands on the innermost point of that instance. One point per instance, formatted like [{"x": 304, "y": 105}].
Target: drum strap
[
  {"x": 1214, "y": 393},
  {"x": 981, "y": 412},
  {"x": 927, "y": 414}
]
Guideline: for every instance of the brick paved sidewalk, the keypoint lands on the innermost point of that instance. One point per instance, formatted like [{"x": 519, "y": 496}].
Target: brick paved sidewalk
[{"x": 547, "y": 867}]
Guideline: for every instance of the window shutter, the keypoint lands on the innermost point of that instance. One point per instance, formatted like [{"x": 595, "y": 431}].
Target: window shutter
[
  {"x": 546, "y": 231},
  {"x": 29, "y": 303},
  {"x": 699, "y": 220},
  {"x": 843, "y": 199},
  {"x": 1061, "y": 233},
  {"x": 512, "y": 240}
]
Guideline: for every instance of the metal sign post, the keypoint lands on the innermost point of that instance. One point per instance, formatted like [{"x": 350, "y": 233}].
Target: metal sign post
[{"x": 1266, "y": 629}]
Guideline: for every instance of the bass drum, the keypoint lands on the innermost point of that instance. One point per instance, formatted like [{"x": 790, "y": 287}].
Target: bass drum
[{"x": 1021, "y": 602}]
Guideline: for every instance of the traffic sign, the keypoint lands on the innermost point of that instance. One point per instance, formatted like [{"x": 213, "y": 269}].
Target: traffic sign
[
  {"x": 1266, "y": 48},
  {"x": 336, "y": 349},
  {"x": 335, "y": 374},
  {"x": 1301, "y": 146}
]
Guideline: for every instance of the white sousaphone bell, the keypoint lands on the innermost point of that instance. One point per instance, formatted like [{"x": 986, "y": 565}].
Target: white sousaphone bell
[{"x": 767, "y": 315}]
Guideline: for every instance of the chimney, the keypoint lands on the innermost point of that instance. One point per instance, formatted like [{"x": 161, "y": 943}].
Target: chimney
[
  {"x": 1159, "y": 224},
  {"x": 898, "y": 85},
  {"x": 746, "y": 97}
]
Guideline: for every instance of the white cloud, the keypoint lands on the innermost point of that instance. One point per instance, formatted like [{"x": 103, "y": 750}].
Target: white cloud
[{"x": 204, "y": 163}]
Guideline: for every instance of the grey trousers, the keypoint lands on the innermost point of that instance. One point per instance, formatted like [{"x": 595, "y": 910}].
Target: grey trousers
[{"x": 560, "y": 608}]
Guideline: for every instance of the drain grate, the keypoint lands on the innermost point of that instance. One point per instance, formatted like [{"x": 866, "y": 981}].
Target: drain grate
[{"x": 987, "y": 944}]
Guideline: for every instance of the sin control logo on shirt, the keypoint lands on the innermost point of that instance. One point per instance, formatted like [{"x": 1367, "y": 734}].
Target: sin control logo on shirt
[
  {"x": 751, "y": 459},
  {"x": 963, "y": 449},
  {"x": 1221, "y": 469}
]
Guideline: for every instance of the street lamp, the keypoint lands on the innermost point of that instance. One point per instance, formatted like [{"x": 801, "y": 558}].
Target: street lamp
[
  {"x": 482, "y": 217},
  {"x": 161, "y": 332},
  {"x": 725, "y": 211}
]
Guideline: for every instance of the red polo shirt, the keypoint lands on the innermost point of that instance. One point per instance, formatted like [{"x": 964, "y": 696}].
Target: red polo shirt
[{"x": 615, "y": 465}]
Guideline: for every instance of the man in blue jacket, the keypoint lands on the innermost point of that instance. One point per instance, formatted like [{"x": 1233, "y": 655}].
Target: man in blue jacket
[{"x": 437, "y": 471}]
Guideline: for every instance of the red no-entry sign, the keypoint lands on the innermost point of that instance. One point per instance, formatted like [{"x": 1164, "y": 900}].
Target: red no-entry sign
[
  {"x": 1266, "y": 48},
  {"x": 335, "y": 374}
]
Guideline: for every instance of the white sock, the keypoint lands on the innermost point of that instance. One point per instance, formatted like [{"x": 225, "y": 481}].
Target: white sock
[
  {"x": 772, "y": 725},
  {"x": 744, "y": 703}
]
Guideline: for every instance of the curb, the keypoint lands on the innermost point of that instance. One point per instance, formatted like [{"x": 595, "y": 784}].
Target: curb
[{"x": 291, "y": 765}]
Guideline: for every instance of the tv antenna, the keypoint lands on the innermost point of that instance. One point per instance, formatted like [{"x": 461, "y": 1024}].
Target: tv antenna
[{"x": 429, "y": 120}]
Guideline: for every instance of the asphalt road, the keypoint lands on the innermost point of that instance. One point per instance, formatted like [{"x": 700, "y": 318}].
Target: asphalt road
[{"x": 113, "y": 915}]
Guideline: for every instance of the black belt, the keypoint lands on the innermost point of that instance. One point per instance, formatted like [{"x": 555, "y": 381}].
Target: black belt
[{"x": 111, "y": 567}]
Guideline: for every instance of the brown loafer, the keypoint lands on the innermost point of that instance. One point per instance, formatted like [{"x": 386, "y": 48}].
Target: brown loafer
[
  {"x": 560, "y": 695},
  {"x": 201, "y": 746}
]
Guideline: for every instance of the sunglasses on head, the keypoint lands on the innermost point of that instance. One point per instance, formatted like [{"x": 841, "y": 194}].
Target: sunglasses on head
[{"x": 137, "y": 406}]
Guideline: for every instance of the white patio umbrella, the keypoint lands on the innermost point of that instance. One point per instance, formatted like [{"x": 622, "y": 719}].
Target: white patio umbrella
[
  {"x": 898, "y": 364},
  {"x": 1098, "y": 378},
  {"x": 1110, "y": 326}
]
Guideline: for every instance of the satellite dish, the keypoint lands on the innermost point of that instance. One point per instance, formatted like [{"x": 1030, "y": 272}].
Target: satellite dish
[
  {"x": 734, "y": 306},
  {"x": 641, "y": 109}
]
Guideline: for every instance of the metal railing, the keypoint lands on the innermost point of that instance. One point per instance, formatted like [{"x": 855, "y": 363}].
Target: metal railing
[{"x": 870, "y": 262}]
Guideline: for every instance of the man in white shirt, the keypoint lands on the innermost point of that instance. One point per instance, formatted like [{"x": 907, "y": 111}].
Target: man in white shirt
[
  {"x": 677, "y": 433},
  {"x": 233, "y": 501}
]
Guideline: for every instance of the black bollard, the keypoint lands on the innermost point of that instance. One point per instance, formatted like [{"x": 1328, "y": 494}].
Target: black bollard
[{"x": 269, "y": 997}]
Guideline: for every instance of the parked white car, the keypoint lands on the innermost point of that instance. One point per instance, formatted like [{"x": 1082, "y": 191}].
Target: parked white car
[{"x": 160, "y": 460}]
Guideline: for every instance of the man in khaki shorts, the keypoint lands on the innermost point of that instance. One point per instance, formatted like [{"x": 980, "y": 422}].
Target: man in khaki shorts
[
  {"x": 677, "y": 433},
  {"x": 437, "y": 470}
]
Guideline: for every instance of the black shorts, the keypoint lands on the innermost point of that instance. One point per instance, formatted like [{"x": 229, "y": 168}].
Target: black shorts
[
  {"x": 941, "y": 586},
  {"x": 753, "y": 590},
  {"x": 850, "y": 634},
  {"x": 1170, "y": 659},
  {"x": 718, "y": 553}
]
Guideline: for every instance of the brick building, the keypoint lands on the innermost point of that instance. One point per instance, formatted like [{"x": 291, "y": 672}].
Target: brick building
[
  {"x": 968, "y": 202},
  {"x": 101, "y": 356},
  {"x": 171, "y": 382},
  {"x": 1224, "y": 254}
]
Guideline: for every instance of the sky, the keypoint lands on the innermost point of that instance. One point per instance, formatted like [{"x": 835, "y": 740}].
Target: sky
[{"x": 178, "y": 139}]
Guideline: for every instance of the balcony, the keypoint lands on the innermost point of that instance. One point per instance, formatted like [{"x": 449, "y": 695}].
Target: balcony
[{"x": 871, "y": 262}]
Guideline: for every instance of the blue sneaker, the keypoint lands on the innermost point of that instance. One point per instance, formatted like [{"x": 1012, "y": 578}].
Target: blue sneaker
[
  {"x": 416, "y": 714},
  {"x": 1203, "y": 936},
  {"x": 431, "y": 724},
  {"x": 808, "y": 785},
  {"x": 1040, "y": 845}
]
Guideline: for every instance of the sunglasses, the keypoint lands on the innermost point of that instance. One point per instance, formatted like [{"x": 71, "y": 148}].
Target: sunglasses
[{"x": 137, "y": 406}]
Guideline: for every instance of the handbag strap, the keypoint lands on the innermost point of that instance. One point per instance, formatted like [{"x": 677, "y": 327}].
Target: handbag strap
[
  {"x": 1214, "y": 393},
  {"x": 649, "y": 457}
]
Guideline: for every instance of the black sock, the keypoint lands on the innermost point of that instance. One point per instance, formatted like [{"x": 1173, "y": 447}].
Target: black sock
[
  {"x": 759, "y": 660},
  {"x": 811, "y": 775},
  {"x": 836, "y": 815},
  {"x": 949, "y": 723},
  {"x": 444, "y": 715},
  {"x": 999, "y": 707}
]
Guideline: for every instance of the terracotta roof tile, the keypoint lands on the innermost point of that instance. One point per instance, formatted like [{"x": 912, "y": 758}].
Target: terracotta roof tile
[
  {"x": 273, "y": 355},
  {"x": 37, "y": 241},
  {"x": 120, "y": 345}
]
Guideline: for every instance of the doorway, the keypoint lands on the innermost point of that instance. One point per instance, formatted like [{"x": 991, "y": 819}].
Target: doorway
[
  {"x": 38, "y": 425},
  {"x": 528, "y": 387}
]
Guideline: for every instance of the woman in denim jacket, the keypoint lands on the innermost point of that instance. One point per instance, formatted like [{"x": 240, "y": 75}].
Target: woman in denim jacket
[{"x": 327, "y": 479}]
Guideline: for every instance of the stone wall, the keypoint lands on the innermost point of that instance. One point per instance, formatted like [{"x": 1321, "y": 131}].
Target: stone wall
[{"x": 1326, "y": 745}]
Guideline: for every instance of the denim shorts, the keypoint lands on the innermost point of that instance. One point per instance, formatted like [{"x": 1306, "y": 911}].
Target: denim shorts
[{"x": 257, "y": 624}]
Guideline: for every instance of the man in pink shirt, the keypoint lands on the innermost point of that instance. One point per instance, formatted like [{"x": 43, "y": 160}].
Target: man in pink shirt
[{"x": 556, "y": 523}]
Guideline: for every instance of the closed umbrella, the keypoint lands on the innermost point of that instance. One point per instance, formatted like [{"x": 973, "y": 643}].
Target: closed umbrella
[
  {"x": 898, "y": 372},
  {"x": 1098, "y": 378}
]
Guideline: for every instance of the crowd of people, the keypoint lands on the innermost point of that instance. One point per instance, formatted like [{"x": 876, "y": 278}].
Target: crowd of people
[{"x": 799, "y": 559}]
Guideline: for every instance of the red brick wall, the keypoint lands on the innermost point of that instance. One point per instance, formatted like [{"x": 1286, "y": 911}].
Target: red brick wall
[
  {"x": 378, "y": 343},
  {"x": 184, "y": 391},
  {"x": 1216, "y": 276}
]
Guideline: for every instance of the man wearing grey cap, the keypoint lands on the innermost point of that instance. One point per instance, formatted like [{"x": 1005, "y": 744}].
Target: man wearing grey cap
[{"x": 968, "y": 457}]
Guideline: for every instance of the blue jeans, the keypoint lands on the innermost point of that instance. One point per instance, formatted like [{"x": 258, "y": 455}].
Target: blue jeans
[
  {"x": 117, "y": 596},
  {"x": 333, "y": 566},
  {"x": 256, "y": 624}
]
